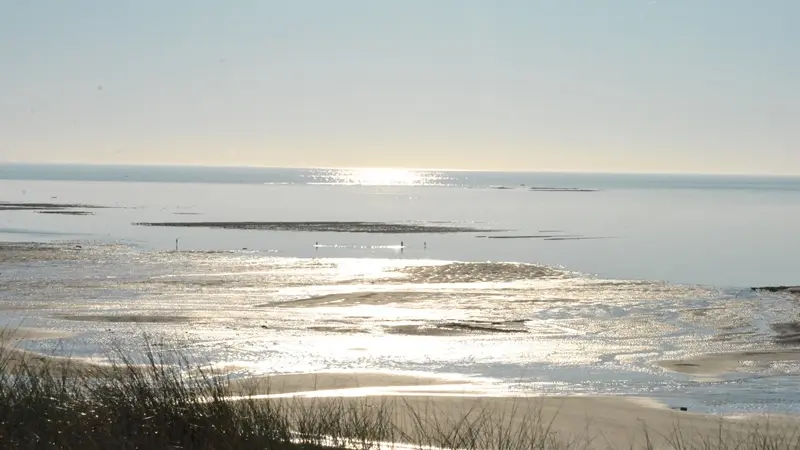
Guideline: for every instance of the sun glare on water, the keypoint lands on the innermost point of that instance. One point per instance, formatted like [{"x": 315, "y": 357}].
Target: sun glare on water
[{"x": 379, "y": 177}]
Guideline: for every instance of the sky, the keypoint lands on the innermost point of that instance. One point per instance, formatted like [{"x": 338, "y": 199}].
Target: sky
[{"x": 708, "y": 86}]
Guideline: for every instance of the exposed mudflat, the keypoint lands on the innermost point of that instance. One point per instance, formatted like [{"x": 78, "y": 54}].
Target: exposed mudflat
[
  {"x": 786, "y": 333},
  {"x": 67, "y": 213},
  {"x": 322, "y": 227},
  {"x": 14, "y": 252},
  {"x": 41, "y": 207},
  {"x": 787, "y": 289},
  {"x": 459, "y": 328},
  {"x": 714, "y": 365},
  {"x": 545, "y": 235},
  {"x": 129, "y": 318},
  {"x": 562, "y": 189},
  {"x": 577, "y": 238}
]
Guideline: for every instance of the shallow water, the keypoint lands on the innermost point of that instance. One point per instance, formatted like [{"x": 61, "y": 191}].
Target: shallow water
[
  {"x": 665, "y": 277},
  {"x": 531, "y": 327},
  {"x": 723, "y": 237}
]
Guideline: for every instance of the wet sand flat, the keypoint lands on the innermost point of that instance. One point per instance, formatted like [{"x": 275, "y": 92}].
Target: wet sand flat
[
  {"x": 11, "y": 252},
  {"x": 125, "y": 318},
  {"x": 778, "y": 289},
  {"x": 460, "y": 328},
  {"x": 67, "y": 213},
  {"x": 322, "y": 227},
  {"x": 345, "y": 300},
  {"x": 14, "y": 335},
  {"x": 547, "y": 237},
  {"x": 561, "y": 189},
  {"x": 440, "y": 404},
  {"x": 718, "y": 364},
  {"x": 326, "y": 381},
  {"x": 11, "y": 357},
  {"x": 61, "y": 207}
]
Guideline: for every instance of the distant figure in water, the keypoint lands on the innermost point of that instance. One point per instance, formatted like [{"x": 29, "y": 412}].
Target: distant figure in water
[
  {"x": 401, "y": 244},
  {"x": 425, "y": 244},
  {"x": 176, "y": 244}
]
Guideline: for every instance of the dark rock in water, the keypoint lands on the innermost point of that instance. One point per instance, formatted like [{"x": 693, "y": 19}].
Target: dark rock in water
[{"x": 788, "y": 289}]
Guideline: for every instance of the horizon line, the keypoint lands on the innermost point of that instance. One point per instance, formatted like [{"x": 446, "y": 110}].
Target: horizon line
[{"x": 551, "y": 171}]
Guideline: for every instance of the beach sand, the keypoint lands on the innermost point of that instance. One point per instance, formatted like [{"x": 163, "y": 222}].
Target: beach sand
[
  {"x": 441, "y": 405},
  {"x": 582, "y": 421}
]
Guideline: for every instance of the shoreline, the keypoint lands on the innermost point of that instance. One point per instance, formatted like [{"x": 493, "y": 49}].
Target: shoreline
[
  {"x": 701, "y": 367},
  {"x": 365, "y": 384},
  {"x": 427, "y": 403},
  {"x": 599, "y": 421}
]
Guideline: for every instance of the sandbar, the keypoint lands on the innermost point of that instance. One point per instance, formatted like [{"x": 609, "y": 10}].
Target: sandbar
[
  {"x": 713, "y": 365},
  {"x": 524, "y": 236},
  {"x": 125, "y": 318},
  {"x": 326, "y": 381},
  {"x": 322, "y": 227},
  {"x": 561, "y": 189},
  {"x": 22, "y": 206},
  {"x": 776, "y": 289},
  {"x": 67, "y": 213},
  {"x": 13, "y": 252},
  {"x": 459, "y": 328}
]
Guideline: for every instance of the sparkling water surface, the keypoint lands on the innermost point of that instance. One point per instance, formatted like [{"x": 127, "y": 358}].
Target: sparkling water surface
[{"x": 640, "y": 269}]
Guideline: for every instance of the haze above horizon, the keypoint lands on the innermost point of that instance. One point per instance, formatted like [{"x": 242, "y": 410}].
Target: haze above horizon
[{"x": 666, "y": 86}]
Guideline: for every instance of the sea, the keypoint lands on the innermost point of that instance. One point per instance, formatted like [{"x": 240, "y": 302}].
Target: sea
[{"x": 534, "y": 283}]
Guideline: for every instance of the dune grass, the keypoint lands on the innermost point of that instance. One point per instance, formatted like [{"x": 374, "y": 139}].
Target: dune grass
[{"x": 170, "y": 403}]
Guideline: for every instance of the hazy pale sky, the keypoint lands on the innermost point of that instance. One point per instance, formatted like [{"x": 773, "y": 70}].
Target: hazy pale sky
[{"x": 592, "y": 85}]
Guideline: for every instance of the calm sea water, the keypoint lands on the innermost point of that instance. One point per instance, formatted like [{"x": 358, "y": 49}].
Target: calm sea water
[
  {"x": 716, "y": 230},
  {"x": 661, "y": 270}
]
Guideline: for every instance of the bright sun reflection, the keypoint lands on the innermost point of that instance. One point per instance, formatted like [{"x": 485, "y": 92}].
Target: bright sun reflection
[
  {"x": 383, "y": 177},
  {"x": 379, "y": 177}
]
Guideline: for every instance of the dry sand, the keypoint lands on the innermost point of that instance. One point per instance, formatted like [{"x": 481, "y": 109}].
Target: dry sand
[
  {"x": 587, "y": 422},
  {"x": 441, "y": 403}
]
